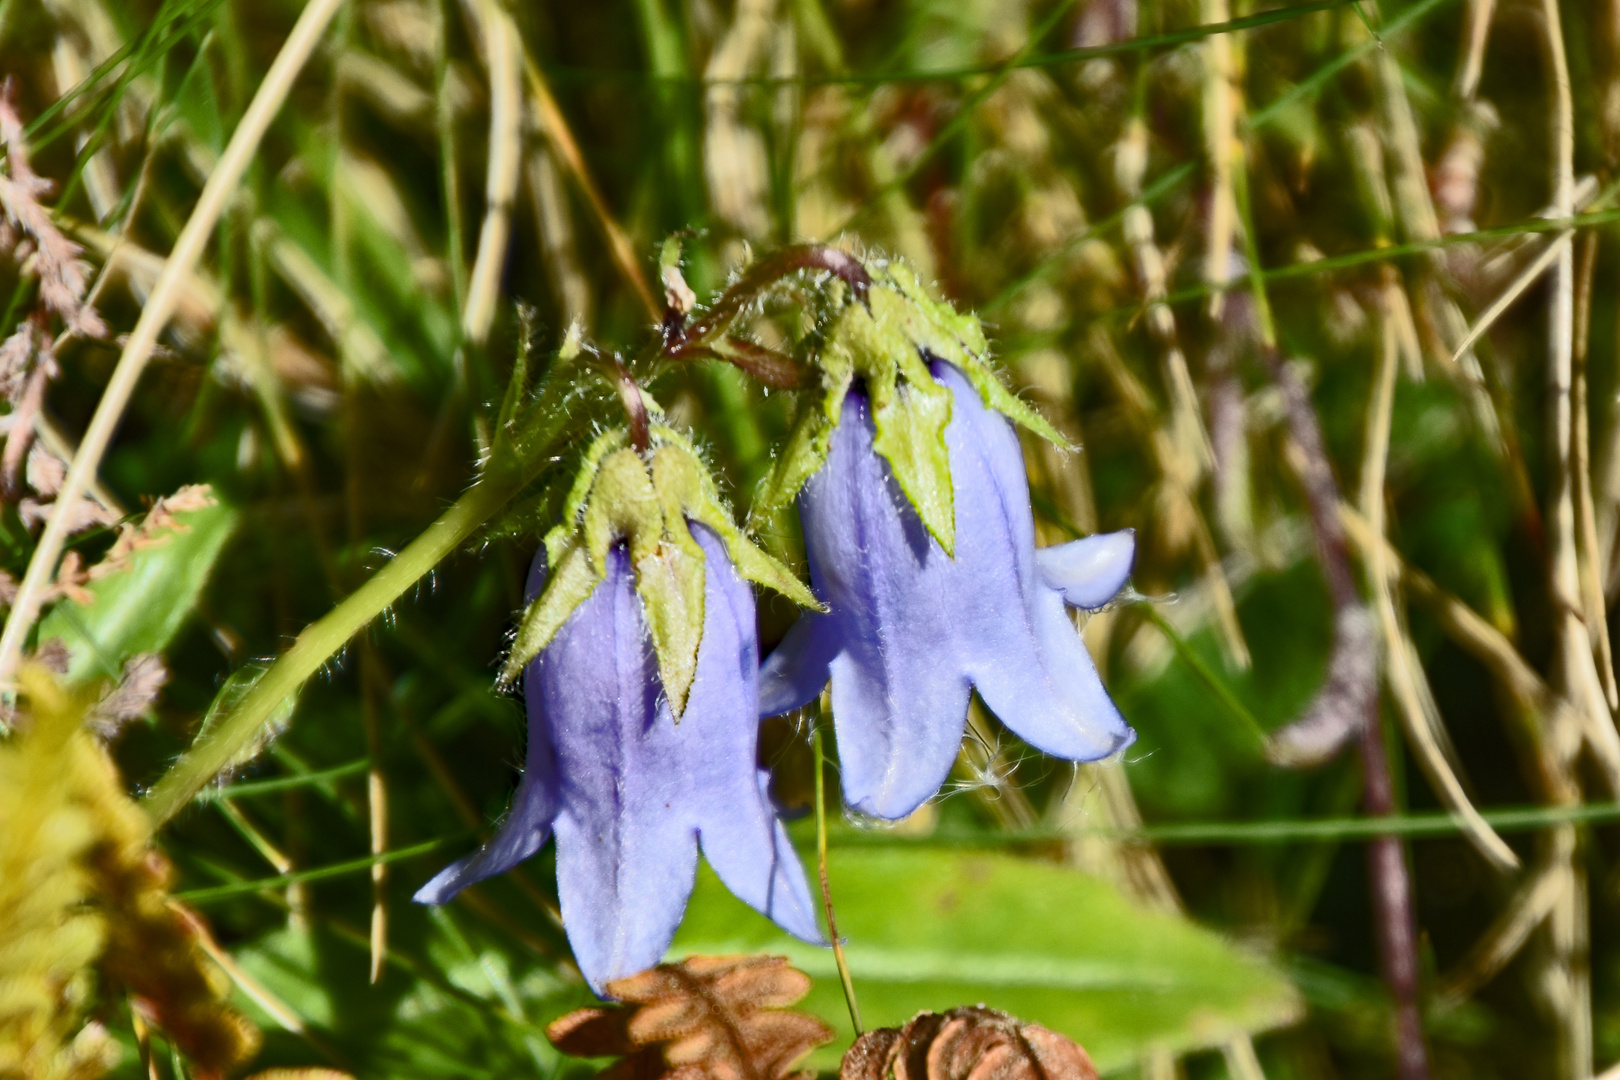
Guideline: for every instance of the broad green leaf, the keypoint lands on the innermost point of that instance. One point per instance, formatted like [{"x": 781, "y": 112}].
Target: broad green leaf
[
  {"x": 140, "y": 608},
  {"x": 438, "y": 1017},
  {"x": 932, "y": 929}
]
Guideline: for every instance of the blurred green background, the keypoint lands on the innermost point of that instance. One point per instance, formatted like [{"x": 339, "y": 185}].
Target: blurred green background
[{"x": 1105, "y": 184}]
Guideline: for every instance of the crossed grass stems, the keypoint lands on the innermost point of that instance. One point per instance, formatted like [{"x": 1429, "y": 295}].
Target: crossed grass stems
[{"x": 474, "y": 293}]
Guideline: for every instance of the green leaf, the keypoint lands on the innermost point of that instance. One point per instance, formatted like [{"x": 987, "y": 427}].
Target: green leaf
[
  {"x": 1004, "y": 401},
  {"x": 688, "y": 492},
  {"x": 758, "y": 566},
  {"x": 141, "y": 607},
  {"x": 805, "y": 450},
  {"x": 669, "y": 582},
  {"x": 932, "y": 929},
  {"x": 910, "y": 420},
  {"x": 572, "y": 579}
]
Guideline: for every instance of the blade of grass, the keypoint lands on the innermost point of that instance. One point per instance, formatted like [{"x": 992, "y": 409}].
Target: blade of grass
[
  {"x": 155, "y": 314},
  {"x": 1421, "y": 826},
  {"x": 248, "y": 788},
  {"x": 317, "y": 873},
  {"x": 1206, "y": 675}
]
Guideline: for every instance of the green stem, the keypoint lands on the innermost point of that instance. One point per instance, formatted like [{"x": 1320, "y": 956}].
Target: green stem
[
  {"x": 826, "y": 888},
  {"x": 1216, "y": 684},
  {"x": 319, "y": 641}
]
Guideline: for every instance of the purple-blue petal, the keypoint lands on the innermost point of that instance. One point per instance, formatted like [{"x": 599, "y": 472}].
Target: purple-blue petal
[
  {"x": 793, "y": 675},
  {"x": 629, "y": 792},
  {"x": 909, "y": 630},
  {"x": 1019, "y": 648},
  {"x": 1057, "y": 704},
  {"x": 1089, "y": 572},
  {"x": 899, "y": 697},
  {"x": 719, "y": 735},
  {"x": 626, "y": 850},
  {"x": 528, "y": 824}
]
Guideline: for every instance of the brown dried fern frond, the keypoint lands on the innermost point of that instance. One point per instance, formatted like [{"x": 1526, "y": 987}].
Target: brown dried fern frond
[
  {"x": 719, "y": 1017},
  {"x": 967, "y": 1043},
  {"x": 64, "y": 278}
]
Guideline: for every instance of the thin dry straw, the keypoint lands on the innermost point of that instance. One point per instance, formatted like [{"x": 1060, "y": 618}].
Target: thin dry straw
[
  {"x": 502, "y": 50},
  {"x": 967, "y": 71},
  {"x": 1403, "y": 674},
  {"x": 188, "y": 248}
]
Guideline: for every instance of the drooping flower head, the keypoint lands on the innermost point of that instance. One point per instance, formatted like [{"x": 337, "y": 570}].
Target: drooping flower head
[
  {"x": 640, "y": 668},
  {"x": 916, "y": 515}
]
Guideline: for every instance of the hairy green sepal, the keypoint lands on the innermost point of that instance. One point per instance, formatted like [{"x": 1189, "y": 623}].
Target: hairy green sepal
[
  {"x": 645, "y": 501},
  {"x": 884, "y": 342}
]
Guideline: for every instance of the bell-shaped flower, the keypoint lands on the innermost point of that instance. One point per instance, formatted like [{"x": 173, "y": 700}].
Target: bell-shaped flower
[
  {"x": 924, "y": 550},
  {"x": 640, "y": 668}
]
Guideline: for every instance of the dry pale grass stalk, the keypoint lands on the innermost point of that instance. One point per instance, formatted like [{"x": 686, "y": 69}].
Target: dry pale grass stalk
[
  {"x": 256, "y": 991},
  {"x": 1527, "y": 909},
  {"x": 734, "y": 159},
  {"x": 1567, "y": 978},
  {"x": 1489, "y": 646},
  {"x": 1220, "y": 104},
  {"x": 1555, "y": 250},
  {"x": 255, "y": 836},
  {"x": 555, "y": 128},
  {"x": 1130, "y": 164},
  {"x": 556, "y": 228},
  {"x": 1476, "y": 32},
  {"x": 1402, "y": 673},
  {"x": 373, "y": 683},
  {"x": 1241, "y": 1060},
  {"x": 1180, "y": 518},
  {"x": 365, "y": 356},
  {"x": 1588, "y": 550},
  {"x": 502, "y": 55},
  {"x": 1415, "y": 211},
  {"x": 155, "y": 315}
]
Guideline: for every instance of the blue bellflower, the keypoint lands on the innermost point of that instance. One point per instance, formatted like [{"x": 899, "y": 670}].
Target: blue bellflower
[
  {"x": 910, "y": 631},
  {"x": 630, "y": 793}
]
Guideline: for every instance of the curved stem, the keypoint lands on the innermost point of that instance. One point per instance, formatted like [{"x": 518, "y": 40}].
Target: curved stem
[
  {"x": 318, "y": 642},
  {"x": 826, "y": 888}
]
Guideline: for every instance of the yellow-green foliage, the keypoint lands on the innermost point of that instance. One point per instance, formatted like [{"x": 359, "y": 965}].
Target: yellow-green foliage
[
  {"x": 49, "y": 937},
  {"x": 81, "y": 888},
  {"x": 152, "y": 947}
]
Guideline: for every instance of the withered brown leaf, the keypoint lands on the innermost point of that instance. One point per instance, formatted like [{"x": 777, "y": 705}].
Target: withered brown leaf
[
  {"x": 967, "y": 1043},
  {"x": 706, "y": 1018}
]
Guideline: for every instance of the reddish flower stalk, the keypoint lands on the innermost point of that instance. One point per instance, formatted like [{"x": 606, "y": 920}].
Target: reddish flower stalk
[{"x": 1386, "y": 863}]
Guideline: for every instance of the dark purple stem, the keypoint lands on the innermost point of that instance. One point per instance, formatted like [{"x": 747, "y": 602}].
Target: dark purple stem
[
  {"x": 1392, "y": 901},
  {"x": 1386, "y": 863},
  {"x": 772, "y": 268},
  {"x": 763, "y": 365},
  {"x": 635, "y": 409}
]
